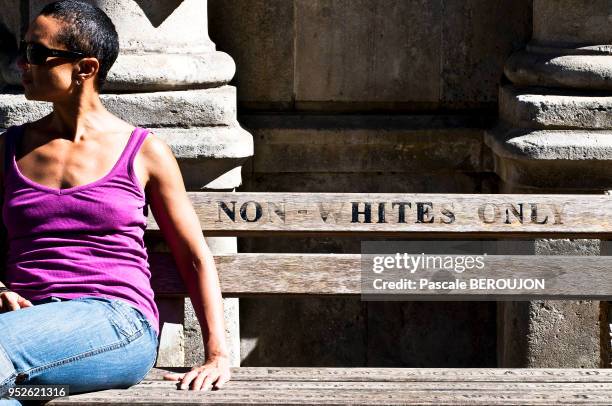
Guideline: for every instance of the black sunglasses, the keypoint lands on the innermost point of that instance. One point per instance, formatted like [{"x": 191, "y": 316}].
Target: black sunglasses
[{"x": 37, "y": 54}]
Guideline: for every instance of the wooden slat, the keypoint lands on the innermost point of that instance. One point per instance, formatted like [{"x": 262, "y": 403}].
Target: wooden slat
[
  {"x": 340, "y": 274},
  {"x": 380, "y": 386},
  {"x": 343, "y": 214},
  {"x": 272, "y": 396},
  {"x": 360, "y": 374}
]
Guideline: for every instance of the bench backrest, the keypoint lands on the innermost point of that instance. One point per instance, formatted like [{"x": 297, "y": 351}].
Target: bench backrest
[{"x": 459, "y": 216}]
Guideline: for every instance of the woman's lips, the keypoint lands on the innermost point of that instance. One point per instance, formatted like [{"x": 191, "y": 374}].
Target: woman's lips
[{"x": 25, "y": 81}]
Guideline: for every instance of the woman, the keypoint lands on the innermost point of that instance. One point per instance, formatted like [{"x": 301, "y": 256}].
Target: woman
[{"x": 78, "y": 308}]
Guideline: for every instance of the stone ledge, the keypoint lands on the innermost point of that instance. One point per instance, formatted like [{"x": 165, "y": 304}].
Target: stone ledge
[
  {"x": 204, "y": 107},
  {"x": 541, "y": 108},
  {"x": 207, "y": 142},
  {"x": 155, "y": 72},
  {"x": 571, "y": 71},
  {"x": 565, "y": 48},
  {"x": 563, "y": 159},
  {"x": 522, "y": 143},
  {"x": 362, "y": 144}
]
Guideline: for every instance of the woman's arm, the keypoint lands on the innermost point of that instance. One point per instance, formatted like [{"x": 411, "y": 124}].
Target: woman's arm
[{"x": 181, "y": 228}]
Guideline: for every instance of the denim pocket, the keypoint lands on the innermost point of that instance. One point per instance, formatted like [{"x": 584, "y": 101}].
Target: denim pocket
[{"x": 126, "y": 319}]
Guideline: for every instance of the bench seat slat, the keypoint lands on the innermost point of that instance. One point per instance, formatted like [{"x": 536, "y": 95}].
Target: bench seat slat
[
  {"x": 408, "y": 374},
  {"x": 342, "y": 397},
  {"x": 386, "y": 385},
  {"x": 367, "y": 386}
]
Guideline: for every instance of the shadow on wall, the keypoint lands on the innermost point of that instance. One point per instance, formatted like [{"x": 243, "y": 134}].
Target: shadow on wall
[
  {"x": 157, "y": 11},
  {"x": 8, "y": 48}
]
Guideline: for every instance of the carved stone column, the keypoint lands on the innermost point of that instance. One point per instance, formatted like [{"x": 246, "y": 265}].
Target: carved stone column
[
  {"x": 555, "y": 136},
  {"x": 169, "y": 78}
]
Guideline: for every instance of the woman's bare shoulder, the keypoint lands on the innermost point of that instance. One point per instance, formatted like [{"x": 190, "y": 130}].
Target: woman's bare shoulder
[
  {"x": 157, "y": 155},
  {"x": 154, "y": 149},
  {"x": 154, "y": 146}
]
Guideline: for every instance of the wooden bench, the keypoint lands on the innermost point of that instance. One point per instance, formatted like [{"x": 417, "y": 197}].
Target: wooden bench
[{"x": 459, "y": 216}]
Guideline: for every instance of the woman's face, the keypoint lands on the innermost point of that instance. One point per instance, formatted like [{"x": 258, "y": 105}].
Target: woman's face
[{"x": 53, "y": 81}]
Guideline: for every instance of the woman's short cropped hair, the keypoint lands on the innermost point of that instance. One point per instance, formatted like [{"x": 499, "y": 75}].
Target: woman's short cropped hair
[{"x": 86, "y": 29}]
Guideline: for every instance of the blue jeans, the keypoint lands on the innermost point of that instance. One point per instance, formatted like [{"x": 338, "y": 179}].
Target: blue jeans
[{"x": 89, "y": 343}]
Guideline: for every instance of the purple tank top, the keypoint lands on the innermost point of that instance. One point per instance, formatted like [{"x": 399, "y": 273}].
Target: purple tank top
[{"x": 81, "y": 241}]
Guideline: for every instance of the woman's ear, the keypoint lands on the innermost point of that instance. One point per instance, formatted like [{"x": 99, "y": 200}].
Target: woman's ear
[{"x": 87, "y": 68}]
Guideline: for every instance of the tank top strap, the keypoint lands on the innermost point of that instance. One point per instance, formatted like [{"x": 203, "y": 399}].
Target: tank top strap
[
  {"x": 126, "y": 159},
  {"x": 134, "y": 145}
]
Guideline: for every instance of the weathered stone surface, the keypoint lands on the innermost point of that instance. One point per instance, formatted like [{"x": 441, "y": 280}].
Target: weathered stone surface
[
  {"x": 156, "y": 72},
  {"x": 152, "y": 26},
  {"x": 565, "y": 159},
  {"x": 207, "y": 142},
  {"x": 259, "y": 36},
  {"x": 504, "y": 187},
  {"x": 448, "y": 181},
  {"x": 209, "y": 107},
  {"x": 15, "y": 109},
  {"x": 566, "y": 176},
  {"x": 364, "y": 144},
  {"x": 576, "y": 145},
  {"x": 438, "y": 154},
  {"x": 559, "y": 70},
  {"x": 572, "y": 22},
  {"x": 170, "y": 350},
  {"x": 367, "y": 51},
  {"x": 365, "y": 150},
  {"x": 529, "y": 108},
  {"x": 551, "y": 334},
  {"x": 194, "y": 108},
  {"x": 566, "y": 246},
  {"x": 477, "y": 37},
  {"x": 194, "y": 345},
  {"x": 391, "y": 55}
]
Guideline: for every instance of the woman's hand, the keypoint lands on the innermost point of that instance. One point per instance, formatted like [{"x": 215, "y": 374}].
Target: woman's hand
[
  {"x": 12, "y": 301},
  {"x": 215, "y": 372}
]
